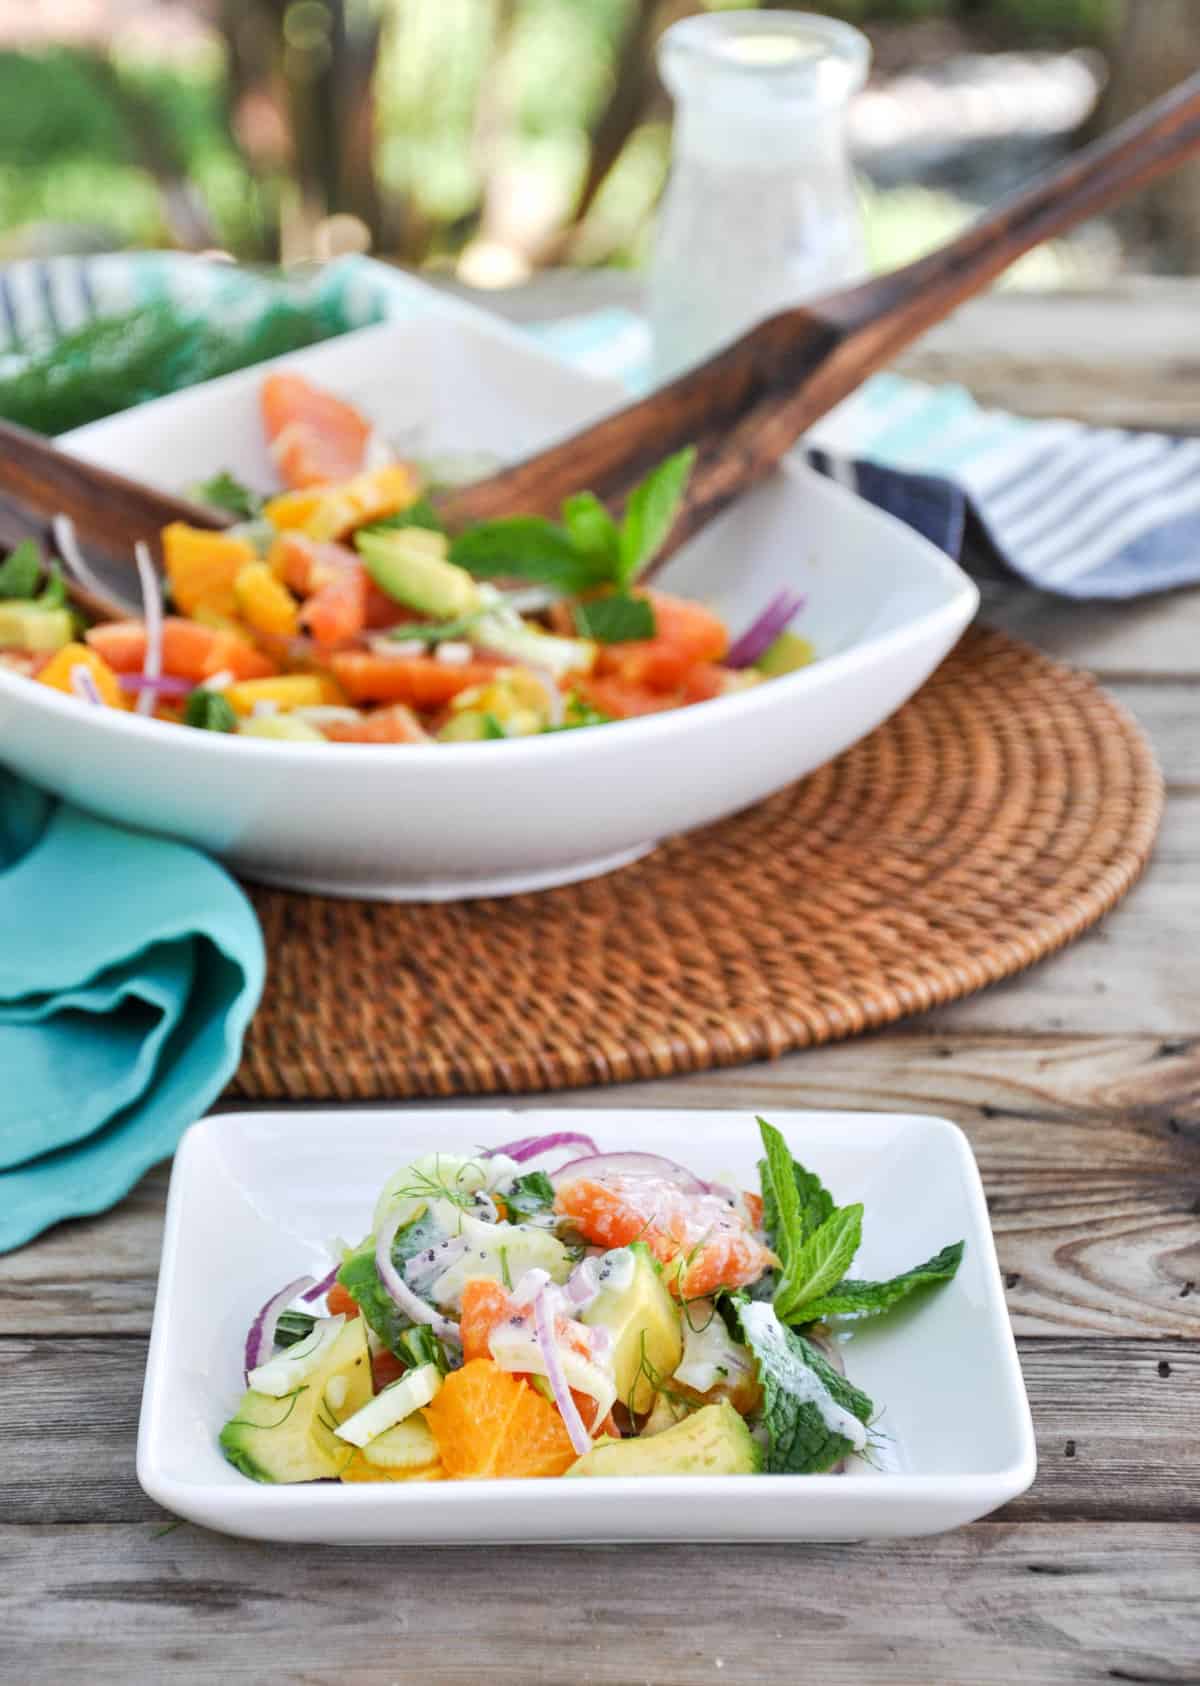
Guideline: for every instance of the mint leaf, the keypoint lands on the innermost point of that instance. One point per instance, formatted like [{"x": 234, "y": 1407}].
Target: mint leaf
[
  {"x": 591, "y": 528},
  {"x": 530, "y": 548},
  {"x": 795, "y": 1200},
  {"x": 868, "y": 1299},
  {"x": 225, "y": 491},
  {"x": 359, "y": 1277},
  {"x": 209, "y": 711},
  {"x": 819, "y": 1263},
  {"x": 651, "y": 513},
  {"x": 418, "y": 514},
  {"x": 53, "y": 594},
  {"x": 813, "y": 1416},
  {"x": 615, "y": 620},
  {"x": 529, "y": 1196},
  {"x": 20, "y": 571}
]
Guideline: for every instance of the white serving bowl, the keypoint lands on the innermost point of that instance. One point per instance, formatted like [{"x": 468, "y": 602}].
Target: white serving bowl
[{"x": 443, "y": 822}]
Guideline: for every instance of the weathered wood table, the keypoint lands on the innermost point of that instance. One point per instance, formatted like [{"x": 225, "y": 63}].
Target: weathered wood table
[{"x": 1079, "y": 1086}]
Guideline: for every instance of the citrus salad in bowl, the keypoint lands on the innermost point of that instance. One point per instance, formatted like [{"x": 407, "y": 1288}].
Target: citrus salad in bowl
[
  {"x": 340, "y": 610},
  {"x": 611, "y": 1314}
]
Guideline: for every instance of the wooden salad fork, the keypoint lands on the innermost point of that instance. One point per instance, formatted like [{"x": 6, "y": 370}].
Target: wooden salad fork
[{"x": 743, "y": 408}]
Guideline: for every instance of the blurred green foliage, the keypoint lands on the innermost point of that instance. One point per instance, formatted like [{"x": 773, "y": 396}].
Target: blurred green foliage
[{"x": 478, "y": 102}]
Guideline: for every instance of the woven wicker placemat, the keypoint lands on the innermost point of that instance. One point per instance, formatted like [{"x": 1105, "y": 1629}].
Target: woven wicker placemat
[{"x": 1007, "y": 807}]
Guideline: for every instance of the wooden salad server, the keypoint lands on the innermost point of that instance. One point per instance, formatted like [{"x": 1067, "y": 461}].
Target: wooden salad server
[{"x": 743, "y": 408}]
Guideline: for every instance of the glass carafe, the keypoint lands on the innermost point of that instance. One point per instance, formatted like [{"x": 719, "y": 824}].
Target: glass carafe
[{"x": 760, "y": 210}]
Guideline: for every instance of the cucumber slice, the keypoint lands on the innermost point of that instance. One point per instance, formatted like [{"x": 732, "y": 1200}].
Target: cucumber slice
[{"x": 292, "y": 1438}]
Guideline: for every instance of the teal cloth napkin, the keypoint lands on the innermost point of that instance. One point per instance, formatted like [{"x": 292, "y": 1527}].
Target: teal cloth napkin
[{"x": 129, "y": 970}]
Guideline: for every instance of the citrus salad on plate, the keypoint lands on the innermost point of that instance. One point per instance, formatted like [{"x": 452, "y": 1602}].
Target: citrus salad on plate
[
  {"x": 613, "y": 1315},
  {"x": 340, "y": 610}
]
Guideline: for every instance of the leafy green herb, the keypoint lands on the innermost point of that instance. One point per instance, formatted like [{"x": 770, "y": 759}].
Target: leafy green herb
[
  {"x": 20, "y": 571},
  {"x": 419, "y": 1346},
  {"x": 805, "y": 1198},
  {"x": 293, "y": 1326},
  {"x": 651, "y": 513},
  {"x": 588, "y": 549},
  {"x": 114, "y": 362},
  {"x": 591, "y": 528},
  {"x": 578, "y": 713},
  {"x": 868, "y": 1299},
  {"x": 225, "y": 491},
  {"x": 529, "y": 1196},
  {"x": 492, "y": 727},
  {"x": 616, "y": 619},
  {"x": 53, "y": 594},
  {"x": 359, "y": 1277},
  {"x": 531, "y": 548},
  {"x": 419, "y": 514},
  {"x": 815, "y": 1267},
  {"x": 210, "y": 711},
  {"x": 807, "y": 1405}
]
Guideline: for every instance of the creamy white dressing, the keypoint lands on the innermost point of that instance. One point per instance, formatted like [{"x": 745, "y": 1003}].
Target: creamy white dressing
[
  {"x": 761, "y": 1324},
  {"x": 710, "y": 1354}
]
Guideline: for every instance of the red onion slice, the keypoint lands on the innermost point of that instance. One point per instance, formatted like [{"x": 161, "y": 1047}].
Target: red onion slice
[
  {"x": 409, "y": 1303},
  {"x": 323, "y": 1286},
  {"x": 529, "y": 1147},
  {"x": 167, "y": 684},
  {"x": 629, "y": 1165},
  {"x": 260, "y": 1338},
  {"x": 763, "y": 631},
  {"x": 67, "y": 545},
  {"x": 543, "y": 1324},
  {"x": 152, "y": 611},
  {"x": 83, "y": 684}
]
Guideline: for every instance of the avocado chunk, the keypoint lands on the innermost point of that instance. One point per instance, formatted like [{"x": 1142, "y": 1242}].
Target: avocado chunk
[
  {"x": 643, "y": 1320},
  {"x": 788, "y": 653},
  {"x": 713, "y": 1441},
  {"x": 293, "y": 1439},
  {"x": 30, "y": 626},
  {"x": 409, "y": 563}
]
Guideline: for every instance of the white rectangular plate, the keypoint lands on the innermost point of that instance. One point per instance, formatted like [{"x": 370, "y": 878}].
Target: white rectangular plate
[{"x": 256, "y": 1197}]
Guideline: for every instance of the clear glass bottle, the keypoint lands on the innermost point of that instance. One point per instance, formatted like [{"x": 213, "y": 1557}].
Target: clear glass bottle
[{"x": 761, "y": 210}]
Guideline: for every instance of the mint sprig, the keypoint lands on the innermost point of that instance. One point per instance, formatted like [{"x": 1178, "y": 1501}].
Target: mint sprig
[
  {"x": 807, "y": 1405},
  {"x": 588, "y": 548},
  {"x": 816, "y": 1242},
  {"x": 618, "y": 619},
  {"x": 851, "y": 1298},
  {"x": 20, "y": 571}
]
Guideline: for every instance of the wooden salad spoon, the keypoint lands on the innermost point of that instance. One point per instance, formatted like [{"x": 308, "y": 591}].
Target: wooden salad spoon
[{"x": 743, "y": 408}]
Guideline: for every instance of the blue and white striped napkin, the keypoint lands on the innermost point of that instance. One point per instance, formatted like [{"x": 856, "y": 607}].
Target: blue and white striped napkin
[{"x": 1080, "y": 511}]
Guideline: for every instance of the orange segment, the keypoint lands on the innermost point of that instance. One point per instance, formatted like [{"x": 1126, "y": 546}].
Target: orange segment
[
  {"x": 314, "y": 437},
  {"x": 337, "y": 611},
  {"x": 489, "y": 1423},
  {"x": 202, "y": 565},
  {"x": 57, "y": 674}
]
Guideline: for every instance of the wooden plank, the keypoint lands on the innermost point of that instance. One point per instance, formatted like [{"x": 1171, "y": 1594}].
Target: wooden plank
[
  {"x": 1121, "y": 356},
  {"x": 1088, "y": 1146},
  {"x": 1134, "y": 1424},
  {"x": 1046, "y": 1605},
  {"x": 1148, "y": 637}
]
